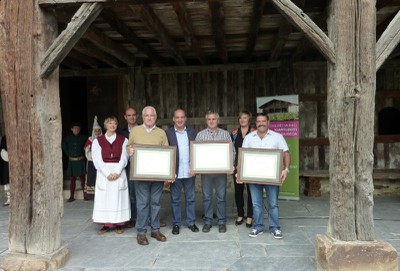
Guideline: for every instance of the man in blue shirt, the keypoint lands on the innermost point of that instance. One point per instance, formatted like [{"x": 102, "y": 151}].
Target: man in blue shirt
[{"x": 180, "y": 136}]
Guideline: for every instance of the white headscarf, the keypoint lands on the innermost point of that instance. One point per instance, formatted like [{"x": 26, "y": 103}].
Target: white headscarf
[{"x": 96, "y": 126}]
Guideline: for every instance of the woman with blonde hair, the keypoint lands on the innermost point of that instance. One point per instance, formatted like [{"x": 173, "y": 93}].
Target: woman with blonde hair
[{"x": 111, "y": 204}]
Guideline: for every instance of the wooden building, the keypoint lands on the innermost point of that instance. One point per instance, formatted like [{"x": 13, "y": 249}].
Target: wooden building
[{"x": 341, "y": 57}]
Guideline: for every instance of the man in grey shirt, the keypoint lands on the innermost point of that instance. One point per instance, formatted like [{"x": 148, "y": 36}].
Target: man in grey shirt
[{"x": 208, "y": 181}]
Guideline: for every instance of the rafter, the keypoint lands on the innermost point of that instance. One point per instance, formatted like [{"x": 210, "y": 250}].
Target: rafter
[
  {"x": 119, "y": 26},
  {"x": 258, "y": 9},
  {"x": 317, "y": 37},
  {"x": 153, "y": 23},
  {"x": 48, "y": 3},
  {"x": 217, "y": 25},
  {"x": 86, "y": 47},
  {"x": 388, "y": 41},
  {"x": 106, "y": 44},
  {"x": 187, "y": 30},
  {"x": 61, "y": 46}
]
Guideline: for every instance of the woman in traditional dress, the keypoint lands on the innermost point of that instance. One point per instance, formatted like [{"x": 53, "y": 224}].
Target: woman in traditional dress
[
  {"x": 91, "y": 170},
  {"x": 111, "y": 204}
]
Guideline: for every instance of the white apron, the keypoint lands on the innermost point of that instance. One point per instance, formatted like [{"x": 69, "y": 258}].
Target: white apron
[{"x": 111, "y": 201}]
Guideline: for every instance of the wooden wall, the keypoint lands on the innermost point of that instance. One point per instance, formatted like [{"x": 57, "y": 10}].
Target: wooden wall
[{"x": 231, "y": 88}]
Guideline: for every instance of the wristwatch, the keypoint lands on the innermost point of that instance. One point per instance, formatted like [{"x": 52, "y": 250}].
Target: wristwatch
[{"x": 287, "y": 170}]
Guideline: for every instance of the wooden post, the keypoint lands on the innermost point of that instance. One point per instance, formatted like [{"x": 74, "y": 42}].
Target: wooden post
[
  {"x": 351, "y": 103},
  {"x": 350, "y": 241},
  {"x": 33, "y": 129}
]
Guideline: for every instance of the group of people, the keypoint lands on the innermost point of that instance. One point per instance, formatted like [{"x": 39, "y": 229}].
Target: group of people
[{"x": 121, "y": 203}]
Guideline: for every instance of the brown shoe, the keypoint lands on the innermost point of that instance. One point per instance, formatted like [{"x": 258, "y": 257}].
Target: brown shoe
[
  {"x": 119, "y": 230},
  {"x": 131, "y": 223},
  {"x": 142, "y": 240},
  {"x": 70, "y": 200},
  {"x": 104, "y": 230},
  {"x": 159, "y": 236},
  {"x": 162, "y": 223}
]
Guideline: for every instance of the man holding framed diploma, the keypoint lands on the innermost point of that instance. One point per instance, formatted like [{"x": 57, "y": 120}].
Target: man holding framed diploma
[
  {"x": 148, "y": 193},
  {"x": 270, "y": 178},
  {"x": 209, "y": 180}
]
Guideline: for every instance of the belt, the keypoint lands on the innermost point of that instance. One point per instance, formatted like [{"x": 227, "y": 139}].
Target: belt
[{"x": 76, "y": 158}]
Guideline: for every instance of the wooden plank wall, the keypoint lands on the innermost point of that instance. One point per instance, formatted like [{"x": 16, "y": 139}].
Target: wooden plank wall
[{"x": 227, "y": 92}]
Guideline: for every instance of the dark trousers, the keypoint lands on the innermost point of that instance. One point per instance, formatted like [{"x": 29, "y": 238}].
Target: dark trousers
[{"x": 239, "y": 199}]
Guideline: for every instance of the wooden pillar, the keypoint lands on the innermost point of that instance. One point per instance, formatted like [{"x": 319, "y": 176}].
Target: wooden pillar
[
  {"x": 31, "y": 109},
  {"x": 350, "y": 241},
  {"x": 351, "y": 100}
]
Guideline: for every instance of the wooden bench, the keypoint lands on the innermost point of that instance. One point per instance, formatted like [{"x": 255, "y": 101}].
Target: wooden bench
[{"x": 314, "y": 177}]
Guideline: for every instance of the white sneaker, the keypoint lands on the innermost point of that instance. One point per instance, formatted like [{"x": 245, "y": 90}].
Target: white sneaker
[
  {"x": 277, "y": 234},
  {"x": 255, "y": 233}
]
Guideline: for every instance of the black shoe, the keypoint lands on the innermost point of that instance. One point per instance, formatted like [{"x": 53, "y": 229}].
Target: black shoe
[
  {"x": 238, "y": 222},
  {"x": 175, "y": 230},
  {"x": 222, "y": 228},
  {"x": 207, "y": 227},
  {"x": 193, "y": 228},
  {"x": 249, "y": 225}
]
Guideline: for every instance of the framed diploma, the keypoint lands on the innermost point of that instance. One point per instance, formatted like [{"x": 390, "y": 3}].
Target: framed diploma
[
  {"x": 153, "y": 163},
  {"x": 261, "y": 166},
  {"x": 211, "y": 157}
]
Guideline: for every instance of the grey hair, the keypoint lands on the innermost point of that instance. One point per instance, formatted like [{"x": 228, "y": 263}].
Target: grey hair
[
  {"x": 211, "y": 112},
  {"x": 149, "y": 107}
]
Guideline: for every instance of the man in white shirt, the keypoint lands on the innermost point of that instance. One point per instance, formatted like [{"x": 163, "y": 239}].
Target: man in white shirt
[{"x": 264, "y": 138}]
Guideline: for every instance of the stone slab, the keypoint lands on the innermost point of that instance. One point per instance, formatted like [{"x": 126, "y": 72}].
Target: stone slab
[
  {"x": 19, "y": 261},
  {"x": 335, "y": 255}
]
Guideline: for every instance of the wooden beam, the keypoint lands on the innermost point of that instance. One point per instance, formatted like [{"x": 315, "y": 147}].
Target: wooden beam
[
  {"x": 187, "y": 30},
  {"x": 217, "y": 25},
  {"x": 119, "y": 26},
  {"x": 106, "y": 44},
  {"x": 308, "y": 27},
  {"x": 258, "y": 9},
  {"x": 153, "y": 23},
  {"x": 284, "y": 30},
  {"x": 93, "y": 72},
  {"x": 85, "y": 47},
  {"x": 49, "y": 3},
  {"x": 305, "y": 47},
  {"x": 82, "y": 19},
  {"x": 388, "y": 41},
  {"x": 213, "y": 68},
  {"x": 176, "y": 69}
]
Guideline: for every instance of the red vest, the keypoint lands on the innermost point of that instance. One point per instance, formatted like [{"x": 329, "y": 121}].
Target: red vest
[{"x": 111, "y": 153}]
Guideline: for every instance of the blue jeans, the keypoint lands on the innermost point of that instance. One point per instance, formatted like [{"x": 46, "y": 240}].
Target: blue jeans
[
  {"x": 189, "y": 188},
  {"x": 148, "y": 203},
  {"x": 208, "y": 181},
  {"x": 256, "y": 191},
  {"x": 132, "y": 198}
]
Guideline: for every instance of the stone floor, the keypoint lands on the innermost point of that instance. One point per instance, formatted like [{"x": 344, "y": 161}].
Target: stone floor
[{"x": 234, "y": 250}]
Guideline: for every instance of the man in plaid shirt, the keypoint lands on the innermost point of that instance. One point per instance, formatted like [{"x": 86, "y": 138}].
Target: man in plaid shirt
[{"x": 208, "y": 181}]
